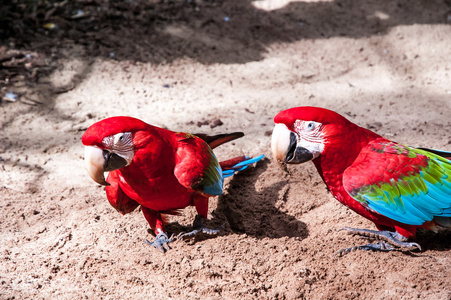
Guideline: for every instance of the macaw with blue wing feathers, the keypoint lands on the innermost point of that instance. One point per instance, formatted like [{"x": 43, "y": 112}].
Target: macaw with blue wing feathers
[
  {"x": 399, "y": 188},
  {"x": 161, "y": 170}
]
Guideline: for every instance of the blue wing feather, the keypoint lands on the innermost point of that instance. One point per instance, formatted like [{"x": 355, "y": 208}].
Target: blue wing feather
[
  {"x": 241, "y": 166},
  {"x": 412, "y": 198}
]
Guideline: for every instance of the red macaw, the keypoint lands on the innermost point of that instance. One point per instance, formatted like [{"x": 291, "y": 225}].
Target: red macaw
[
  {"x": 161, "y": 170},
  {"x": 397, "y": 187}
]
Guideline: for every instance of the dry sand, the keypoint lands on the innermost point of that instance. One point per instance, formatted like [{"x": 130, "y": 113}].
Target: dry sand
[{"x": 385, "y": 65}]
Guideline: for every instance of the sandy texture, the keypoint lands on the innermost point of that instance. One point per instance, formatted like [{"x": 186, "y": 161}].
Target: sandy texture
[{"x": 385, "y": 65}]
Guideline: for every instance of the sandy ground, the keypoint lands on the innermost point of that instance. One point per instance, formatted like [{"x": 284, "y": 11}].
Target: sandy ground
[{"x": 385, "y": 65}]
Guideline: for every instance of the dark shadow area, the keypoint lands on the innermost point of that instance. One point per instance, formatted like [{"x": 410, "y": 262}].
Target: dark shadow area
[
  {"x": 253, "y": 212},
  {"x": 35, "y": 35},
  {"x": 209, "y": 31},
  {"x": 440, "y": 241},
  {"x": 242, "y": 209}
]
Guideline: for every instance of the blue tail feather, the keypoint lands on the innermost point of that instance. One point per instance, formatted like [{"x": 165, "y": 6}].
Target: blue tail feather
[{"x": 241, "y": 166}]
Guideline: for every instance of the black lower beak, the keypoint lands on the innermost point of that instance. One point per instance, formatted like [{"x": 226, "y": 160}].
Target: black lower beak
[
  {"x": 113, "y": 161},
  {"x": 297, "y": 154}
]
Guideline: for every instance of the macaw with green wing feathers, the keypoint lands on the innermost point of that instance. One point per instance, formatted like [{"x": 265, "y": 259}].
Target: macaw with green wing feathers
[
  {"x": 397, "y": 187},
  {"x": 161, "y": 170}
]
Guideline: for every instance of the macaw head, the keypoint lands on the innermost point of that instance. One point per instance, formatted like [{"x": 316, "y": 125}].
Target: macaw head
[
  {"x": 109, "y": 145},
  {"x": 304, "y": 133}
]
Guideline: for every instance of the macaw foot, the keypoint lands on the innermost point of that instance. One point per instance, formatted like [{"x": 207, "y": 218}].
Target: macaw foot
[
  {"x": 387, "y": 241},
  {"x": 161, "y": 242},
  {"x": 198, "y": 226}
]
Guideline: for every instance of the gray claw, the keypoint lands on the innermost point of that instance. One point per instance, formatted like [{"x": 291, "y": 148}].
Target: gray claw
[
  {"x": 387, "y": 241},
  {"x": 198, "y": 226},
  {"x": 378, "y": 246},
  {"x": 184, "y": 235},
  {"x": 161, "y": 242}
]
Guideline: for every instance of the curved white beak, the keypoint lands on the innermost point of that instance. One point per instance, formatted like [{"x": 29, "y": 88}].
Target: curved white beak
[
  {"x": 280, "y": 143},
  {"x": 95, "y": 164},
  {"x": 286, "y": 148}
]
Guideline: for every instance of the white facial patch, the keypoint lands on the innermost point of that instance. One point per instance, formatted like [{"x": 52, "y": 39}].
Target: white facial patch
[
  {"x": 310, "y": 136},
  {"x": 121, "y": 144}
]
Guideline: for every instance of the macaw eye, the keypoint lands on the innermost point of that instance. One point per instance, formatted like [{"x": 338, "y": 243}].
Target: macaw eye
[
  {"x": 122, "y": 138},
  {"x": 310, "y": 126}
]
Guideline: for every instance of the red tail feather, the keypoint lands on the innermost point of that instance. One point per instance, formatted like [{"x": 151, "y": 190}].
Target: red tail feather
[
  {"x": 174, "y": 212},
  {"x": 228, "y": 164},
  {"x": 216, "y": 140}
]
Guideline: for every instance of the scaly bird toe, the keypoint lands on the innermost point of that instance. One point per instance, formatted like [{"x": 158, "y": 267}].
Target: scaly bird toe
[
  {"x": 161, "y": 242},
  {"x": 378, "y": 246},
  {"x": 198, "y": 226},
  {"x": 387, "y": 241},
  {"x": 209, "y": 231}
]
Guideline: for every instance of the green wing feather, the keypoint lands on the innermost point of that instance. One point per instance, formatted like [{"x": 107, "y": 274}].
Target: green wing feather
[
  {"x": 405, "y": 184},
  {"x": 196, "y": 166}
]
